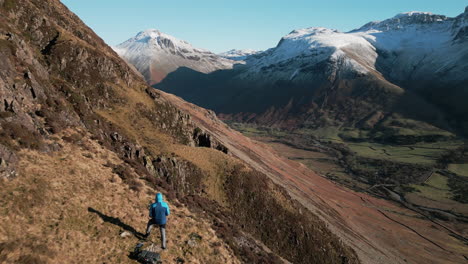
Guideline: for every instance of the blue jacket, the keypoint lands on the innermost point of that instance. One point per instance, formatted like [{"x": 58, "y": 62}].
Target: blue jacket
[{"x": 159, "y": 210}]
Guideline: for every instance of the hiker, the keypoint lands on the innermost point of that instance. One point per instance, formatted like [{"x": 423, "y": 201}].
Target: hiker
[{"x": 158, "y": 212}]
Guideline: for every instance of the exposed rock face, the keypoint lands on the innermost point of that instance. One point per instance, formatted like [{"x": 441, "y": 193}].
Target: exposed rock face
[
  {"x": 8, "y": 162},
  {"x": 179, "y": 174},
  {"x": 204, "y": 139}
]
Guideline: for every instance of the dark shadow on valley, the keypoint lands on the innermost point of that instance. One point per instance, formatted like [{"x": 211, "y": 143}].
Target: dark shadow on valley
[{"x": 224, "y": 92}]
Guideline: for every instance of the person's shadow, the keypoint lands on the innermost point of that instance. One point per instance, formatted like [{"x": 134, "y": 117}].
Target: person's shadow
[{"x": 116, "y": 221}]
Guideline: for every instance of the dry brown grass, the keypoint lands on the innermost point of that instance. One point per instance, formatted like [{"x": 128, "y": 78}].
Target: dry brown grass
[
  {"x": 51, "y": 213},
  {"x": 213, "y": 163},
  {"x": 141, "y": 130}
]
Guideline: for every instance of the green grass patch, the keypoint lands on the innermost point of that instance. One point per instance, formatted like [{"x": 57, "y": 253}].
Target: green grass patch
[
  {"x": 435, "y": 188},
  {"x": 400, "y": 126},
  {"x": 459, "y": 169},
  {"x": 9, "y": 4},
  {"x": 401, "y": 131},
  {"x": 394, "y": 153},
  {"x": 353, "y": 134},
  {"x": 252, "y": 130},
  {"x": 421, "y": 153},
  {"x": 432, "y": 193},
  {"x": 438, "y": 181},
  {"x": 323, "y": 133}
]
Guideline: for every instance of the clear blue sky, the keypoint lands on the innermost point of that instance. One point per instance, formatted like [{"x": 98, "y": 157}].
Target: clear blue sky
[{"x": 220, "y": 25}]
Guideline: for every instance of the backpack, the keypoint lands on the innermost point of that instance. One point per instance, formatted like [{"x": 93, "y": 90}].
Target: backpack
[
  {"x": 145, "y": 256},
  {"x": 159, "y": 214}
]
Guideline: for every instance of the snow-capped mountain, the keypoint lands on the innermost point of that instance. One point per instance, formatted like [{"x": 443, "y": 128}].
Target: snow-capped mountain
[
  {"x": 420, "y": 46},
  {"x": 415, "y": 63},
  {"x": 156, "y": 54},
  {"x": 411, "y": 45},
  {"x": 302, "y": 49},
  {"x": 238, "y": 55}
]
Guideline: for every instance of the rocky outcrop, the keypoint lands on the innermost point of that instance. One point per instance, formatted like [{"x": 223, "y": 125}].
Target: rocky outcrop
[
  {"x": 204, "y": 139},
  {"x": 8, "y": 162},
  {"x": 183, "y": 177}
]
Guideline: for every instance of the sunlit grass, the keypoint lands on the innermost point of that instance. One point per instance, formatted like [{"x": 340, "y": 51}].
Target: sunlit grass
[{"x": 460, "y": 169}]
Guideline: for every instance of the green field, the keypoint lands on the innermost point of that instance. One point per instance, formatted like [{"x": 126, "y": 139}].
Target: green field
[
  {"x": 325, "y": 133},
  {"x": 460, "y": 169},
  {"x": 435, "y": 188},
  {"x": 359, "y": 141},
  {"x": 421, "y": 153}
]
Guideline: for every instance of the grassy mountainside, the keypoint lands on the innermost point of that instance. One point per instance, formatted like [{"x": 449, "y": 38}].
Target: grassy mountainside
[
  {"x": 85, "y": 143},
  {"x": 72, "y": 201}
]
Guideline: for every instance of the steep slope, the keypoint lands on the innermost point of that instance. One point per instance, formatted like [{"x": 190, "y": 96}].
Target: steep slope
[
  {"x": 85, "y": 144},
  {"x": 52, "y": 207},
  {"x": 317, "y": 76},
  {"x": 156, "y": 54},
  {"x": 379, "y": 231}
]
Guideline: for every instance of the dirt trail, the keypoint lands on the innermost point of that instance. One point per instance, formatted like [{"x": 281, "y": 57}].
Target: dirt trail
[{"x": 380, "y": 231}]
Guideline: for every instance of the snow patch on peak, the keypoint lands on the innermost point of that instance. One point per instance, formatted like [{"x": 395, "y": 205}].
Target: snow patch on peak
[
  {"x": 160, "y": 38},
  {"x": 152, "y": 33},
  {"x": 238, "y": 55},
  {"x": 303, "y": 49},
  {"x": 412, "y": 13},
  {"x": 305, "y": 32},
  {"x": 301, "y": 40}
]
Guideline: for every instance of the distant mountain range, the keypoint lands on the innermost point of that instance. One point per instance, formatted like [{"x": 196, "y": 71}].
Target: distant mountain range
[{"x": 413, "y": 66}]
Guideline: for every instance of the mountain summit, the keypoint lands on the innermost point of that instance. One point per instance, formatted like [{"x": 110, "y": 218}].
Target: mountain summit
[{"x": 156, "y": 54}]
